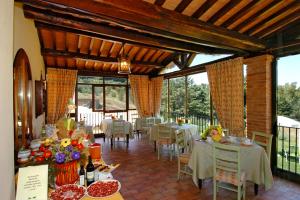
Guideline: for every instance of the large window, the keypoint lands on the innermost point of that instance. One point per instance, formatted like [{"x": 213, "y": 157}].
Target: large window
[{"x": 100, "y": 96}]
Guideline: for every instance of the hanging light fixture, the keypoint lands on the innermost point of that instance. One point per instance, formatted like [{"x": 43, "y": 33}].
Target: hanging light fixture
[{"x": 123, "y": 63}]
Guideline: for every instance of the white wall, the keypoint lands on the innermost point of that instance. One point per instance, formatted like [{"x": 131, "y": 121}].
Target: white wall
[
  {"x": 6, "y": 101},
  {"x": 26, "y": 37}
]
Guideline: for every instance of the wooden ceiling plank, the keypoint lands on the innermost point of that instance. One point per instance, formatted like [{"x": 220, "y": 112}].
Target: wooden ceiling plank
[
  {"x": 84, "y": 44},
  {"x": 278, "y": 25},
  {"x": 47, "y": 38},
  {"x": 294, "y": 7},
  {"x": 105, "y": 48},
  {"x": 273, "y": 7},
  {"x": 141, "y": 54},
  {"x": 82, "y": 56},
  {"x": 163, "y": 57},
  {"x": 240, "y": 13},
  {"x": 116, "y": 50},
  {"x": 159, "y": 2},
  {"x": 223, "y": 11},
  {"x": 203, "y": 8},
  {"x": 112, "y": 48},
  {"x": 72, "y": 42},
  {"x": 148, "y": 55},
  {"x": 250, "y": 13},
  {"x": 152, "y": 21},
  {"x": 182, "y": 5},
  {"x": 95, "y": 48},
  {"x": 60, "y": 40},
  {"x": 213, "y": 10},
  {"x": 156, "y": 56},
  {"x": 132, "y": 53}
]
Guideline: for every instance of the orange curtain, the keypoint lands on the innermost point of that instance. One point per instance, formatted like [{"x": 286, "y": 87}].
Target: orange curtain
[
  {"x": 227, "y": 91},
  {"x": 60, "y": 87},
  {"x": 155, "y": 89},
  {"x": 146, "y": 94}
]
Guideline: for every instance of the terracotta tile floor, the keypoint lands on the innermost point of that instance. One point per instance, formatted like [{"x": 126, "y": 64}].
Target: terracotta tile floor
[{"x": 143, "y": 177}]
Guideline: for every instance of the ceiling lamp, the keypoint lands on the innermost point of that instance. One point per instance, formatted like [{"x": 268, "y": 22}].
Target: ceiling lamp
[{"x": 123, "y": 63}]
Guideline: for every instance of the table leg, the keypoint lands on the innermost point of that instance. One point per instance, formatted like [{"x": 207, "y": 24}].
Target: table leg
[
  {"x": 154, "y": 146},
  {"x": 255, "y": 189},
  {"x": 127, "y": 139},
  {"x": 200, "y": 183},
  {"x": 111, "y": 142}
]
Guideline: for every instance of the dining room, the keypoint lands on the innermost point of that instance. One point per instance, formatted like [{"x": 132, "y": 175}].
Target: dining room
[{"x": 152, "y": 99}]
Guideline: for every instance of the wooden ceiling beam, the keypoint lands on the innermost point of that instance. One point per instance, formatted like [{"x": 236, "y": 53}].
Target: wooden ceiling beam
[
  {"x": 52, "y": 21},
  {"x": 66, "y": 54},
  {"x": 154, "y": 20}
]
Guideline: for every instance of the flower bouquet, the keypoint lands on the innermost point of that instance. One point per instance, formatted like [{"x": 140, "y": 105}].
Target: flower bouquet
[
  {"x": 62, "y": 157},
  {"x": 180, "y": 121},
  {"x": 214, "y": 131}
]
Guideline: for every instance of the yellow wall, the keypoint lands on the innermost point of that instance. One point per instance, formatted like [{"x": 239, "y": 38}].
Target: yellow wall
[
  {"x": 26, "y": 37},
  {"x": 6, "y": 101}
]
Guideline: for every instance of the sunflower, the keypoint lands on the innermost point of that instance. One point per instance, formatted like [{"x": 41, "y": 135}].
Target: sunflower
[{"x": 65, "y": 142}]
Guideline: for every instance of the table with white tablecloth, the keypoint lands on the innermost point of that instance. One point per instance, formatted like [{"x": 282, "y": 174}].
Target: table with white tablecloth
[
  {"x": 138, "y": 124},
  {"x": 254, "y": 162},
  {"x": 106, "y": 127},
  {"x": 193, "y": 129}
]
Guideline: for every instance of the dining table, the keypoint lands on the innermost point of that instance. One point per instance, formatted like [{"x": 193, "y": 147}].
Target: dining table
[
  {"x": 254, "y": 162},
  {"x": 188, "y": 128},
  {"x": 106, "y": 127}
]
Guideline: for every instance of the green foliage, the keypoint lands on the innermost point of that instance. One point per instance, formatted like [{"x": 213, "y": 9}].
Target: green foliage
[
  {"x": 198, "y": 97},
  {"x": 289, "y": 100}
]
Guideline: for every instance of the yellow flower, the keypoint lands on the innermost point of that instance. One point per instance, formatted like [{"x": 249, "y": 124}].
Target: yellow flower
[{"x": 65, "y": 142}]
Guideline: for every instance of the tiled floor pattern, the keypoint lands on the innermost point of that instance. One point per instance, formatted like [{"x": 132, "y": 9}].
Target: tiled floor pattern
[{"x": 143, "y": 177}]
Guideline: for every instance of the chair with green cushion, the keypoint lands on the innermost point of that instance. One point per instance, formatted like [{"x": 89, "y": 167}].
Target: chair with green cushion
[
  {"x": 165, "y": 138},
  {"x": 184, "y": 152},
  {"x": 227, "y": 172},
  {"x": 264, "y": 140}
]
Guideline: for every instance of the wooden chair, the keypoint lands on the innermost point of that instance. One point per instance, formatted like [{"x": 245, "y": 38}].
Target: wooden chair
[
  {"x": 117, "y": 130},
  {"x": 165, "y": 138},
  {"x": 227, "y": 172},
  {"x": 264, "y": 140},
  {"x": 184, "y": 152}
]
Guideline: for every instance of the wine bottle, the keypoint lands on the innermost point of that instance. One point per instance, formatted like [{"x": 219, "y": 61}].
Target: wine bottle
[
  {"x": 90, "y": 172},
  {"x": 81, "y": 176}
]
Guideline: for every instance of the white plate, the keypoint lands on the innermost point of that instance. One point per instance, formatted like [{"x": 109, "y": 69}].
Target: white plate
[{"x": 111, "y": 180}]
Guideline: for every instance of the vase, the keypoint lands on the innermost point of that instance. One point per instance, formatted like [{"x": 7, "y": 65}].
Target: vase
[{"x": 66, "y": 173}]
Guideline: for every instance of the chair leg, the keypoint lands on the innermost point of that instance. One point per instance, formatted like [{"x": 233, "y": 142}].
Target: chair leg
[
  {"x": 158, "y": 150},
  {"x": 244, "y": 191},
  {"x": 178, "y": 172},
  {"x": 239, "y": 193},
  {"x": 215, "y": 189}
]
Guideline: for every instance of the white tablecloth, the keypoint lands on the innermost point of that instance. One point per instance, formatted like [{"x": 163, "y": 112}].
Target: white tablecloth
[
  {"x": 187, "y": 127},
  {"x": 139, "y": 122},
  {"x": 106, "y": 127},
  {"x": 254, "y": 162}
]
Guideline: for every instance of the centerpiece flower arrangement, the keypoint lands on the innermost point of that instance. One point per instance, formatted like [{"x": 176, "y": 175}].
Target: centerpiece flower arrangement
[
  {"x": 63, "y": 158},
  {"x": 180, "y": 121},
  {"x": 214, "y": 131}
]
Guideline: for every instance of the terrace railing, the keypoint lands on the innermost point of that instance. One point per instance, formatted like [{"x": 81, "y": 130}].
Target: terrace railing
[
  {"x": 201, "y": 121},
  {"x": 288, "y": 152}
]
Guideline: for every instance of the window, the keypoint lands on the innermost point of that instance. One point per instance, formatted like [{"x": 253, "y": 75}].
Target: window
[
  {"x": 131, "y": 105},
  {"x": 115, "y": 98},
  {"x": 177, "y": 96},
  {"x": 98, "y": 98}
]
